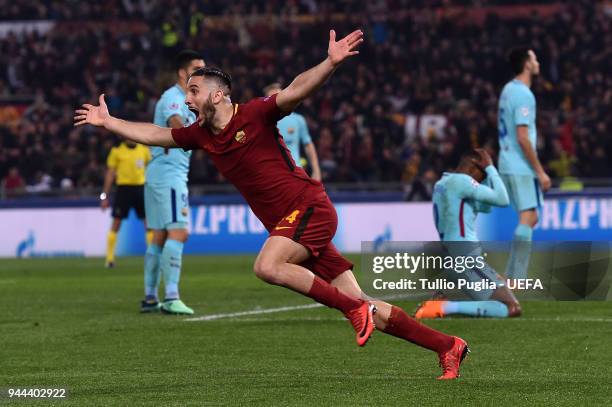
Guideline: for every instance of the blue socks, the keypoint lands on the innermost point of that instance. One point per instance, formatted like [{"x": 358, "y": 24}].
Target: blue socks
[
  {"x": 152, "y": 270},
  {"x": 171, "y": 258},
  {"x": 518, "y": 263},
  {"x": 492, "y": 309}
]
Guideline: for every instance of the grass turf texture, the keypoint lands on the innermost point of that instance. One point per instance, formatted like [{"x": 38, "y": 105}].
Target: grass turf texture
[{"x": 70, "y": 323}]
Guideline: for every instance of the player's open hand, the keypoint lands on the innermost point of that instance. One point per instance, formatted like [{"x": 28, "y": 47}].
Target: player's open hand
[
  {"x": 485, "y": 158},
  {"x": 338, "y": 51},
  {"x": 90, "y": 114}
]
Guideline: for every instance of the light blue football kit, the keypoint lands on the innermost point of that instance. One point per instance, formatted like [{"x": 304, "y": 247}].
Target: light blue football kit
[
  {"x": 457, "y": 199},
  {"x": 517, "y": 107},
  {"x": 166, "y": 193},
  {"x": 167, "y": 197},
  {"x": 295, "y": 132}
]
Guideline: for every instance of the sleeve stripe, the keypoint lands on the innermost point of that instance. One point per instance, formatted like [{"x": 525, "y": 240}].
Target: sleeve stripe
[{"x": 461, "y": 224}]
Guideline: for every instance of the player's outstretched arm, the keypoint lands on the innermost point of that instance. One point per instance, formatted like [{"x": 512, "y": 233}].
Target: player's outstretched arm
[
  {"x": 311, "y": 80},
  {"x": 143, "y": 133}
]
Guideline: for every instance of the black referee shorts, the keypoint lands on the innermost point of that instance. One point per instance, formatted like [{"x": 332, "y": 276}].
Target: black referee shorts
[{"x": 127, "y": 197}]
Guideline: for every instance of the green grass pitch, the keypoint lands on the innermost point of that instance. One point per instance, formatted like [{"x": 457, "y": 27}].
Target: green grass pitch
[{"x": 72, "y": 324}]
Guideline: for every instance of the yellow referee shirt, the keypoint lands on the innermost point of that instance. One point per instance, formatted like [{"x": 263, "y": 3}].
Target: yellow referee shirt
[{"x": 129, "y": 163}]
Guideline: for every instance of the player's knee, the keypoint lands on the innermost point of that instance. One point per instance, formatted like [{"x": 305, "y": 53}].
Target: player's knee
[
  {"x": 514, "y": 309},
  {"x": 180, "y": 235},
  {"x": 267, "y": 271}
]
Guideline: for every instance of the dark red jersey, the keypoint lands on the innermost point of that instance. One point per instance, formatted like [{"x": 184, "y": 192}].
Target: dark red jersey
[{"x": 251, "y": 154}]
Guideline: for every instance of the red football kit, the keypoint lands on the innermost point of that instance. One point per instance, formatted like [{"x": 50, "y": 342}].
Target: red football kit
[{"x": 251, "y": 154}]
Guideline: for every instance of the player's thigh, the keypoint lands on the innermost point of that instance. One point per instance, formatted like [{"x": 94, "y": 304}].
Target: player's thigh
[
  {"x": 159, "y": 237},
  {"x": 177, "y": 233},
  {"x": 312, "y": 224},
  {"x": 524, "y": 191},
  {"x": 477, "y": 275},
  {"x": 279, "y": 249},
  {"x": 167, "y": 207},
  {"x": 121, "y": 203},
  {"x": 329, "y": 264}
]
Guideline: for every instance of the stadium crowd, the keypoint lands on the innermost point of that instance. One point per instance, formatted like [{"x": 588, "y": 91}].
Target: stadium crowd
[{"x": 411, "y": 65}]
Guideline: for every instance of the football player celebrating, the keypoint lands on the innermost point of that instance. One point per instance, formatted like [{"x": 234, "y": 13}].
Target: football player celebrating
[{"x": 246, "y": 147}]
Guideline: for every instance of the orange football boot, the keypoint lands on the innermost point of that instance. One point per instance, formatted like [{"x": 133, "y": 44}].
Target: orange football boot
[
  {"x": 430, "y": 309},
  {"x": 451, "y": 359},
  {"x": 362, "y": 319}
]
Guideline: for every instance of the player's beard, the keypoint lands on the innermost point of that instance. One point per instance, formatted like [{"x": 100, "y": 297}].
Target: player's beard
[{"x": 208, "y": 112}]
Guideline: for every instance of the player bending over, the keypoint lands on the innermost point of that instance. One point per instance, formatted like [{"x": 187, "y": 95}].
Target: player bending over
[
  {"x": 244, "y": 143},
  {"x": 457, "y": 198}
]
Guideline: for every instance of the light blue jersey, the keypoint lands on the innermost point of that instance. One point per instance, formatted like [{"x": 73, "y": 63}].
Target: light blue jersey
[
  {"x": 170, "y": 166},
  {"x": 294, "y": 130},
  {"x": 517, "y": 106},
  {"x": 457, "y": 198}
]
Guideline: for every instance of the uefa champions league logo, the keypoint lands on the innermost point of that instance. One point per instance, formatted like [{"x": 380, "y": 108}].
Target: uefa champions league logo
[{"x": 25, "y": 248}]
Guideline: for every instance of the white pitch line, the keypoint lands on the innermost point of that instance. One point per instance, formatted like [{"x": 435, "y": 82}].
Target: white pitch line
[
  {"x": 253, "y": 312},
  {"x": 260, "y": 311},
  {"x": 274, "y": 310}
]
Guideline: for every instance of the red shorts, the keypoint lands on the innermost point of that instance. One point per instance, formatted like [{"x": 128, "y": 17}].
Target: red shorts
[{"x": 313, "y": 224}]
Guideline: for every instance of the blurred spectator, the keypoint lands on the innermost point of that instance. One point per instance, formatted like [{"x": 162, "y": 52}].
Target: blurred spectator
[
  {"x": 423, "y": 90},
  {"x": 13, "y": 184}
]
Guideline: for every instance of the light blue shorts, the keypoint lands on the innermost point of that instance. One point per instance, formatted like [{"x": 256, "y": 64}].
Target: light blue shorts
[
  {"x": 524, "y": 191},
  {"x": 167, "y": 207}
]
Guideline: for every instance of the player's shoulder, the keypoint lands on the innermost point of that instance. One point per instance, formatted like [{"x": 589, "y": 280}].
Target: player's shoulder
[
  {"x": 518, "y": 88},
  {"x": 298, "y": 117},
  {"x": 460, "y": 180},
  {"x": 171, "y": 95}
]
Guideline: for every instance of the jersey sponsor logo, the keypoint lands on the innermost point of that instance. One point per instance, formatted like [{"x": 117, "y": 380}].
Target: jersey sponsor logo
[
  {"x": 174, "y": 106},
  {"x": 240, "y": 136},
  {"x": 290, "y": 130},
  {"x": 525, "y": 111}
]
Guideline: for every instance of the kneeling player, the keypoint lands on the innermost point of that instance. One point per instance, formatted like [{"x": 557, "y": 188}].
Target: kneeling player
[{"x": 457, "y": 199}]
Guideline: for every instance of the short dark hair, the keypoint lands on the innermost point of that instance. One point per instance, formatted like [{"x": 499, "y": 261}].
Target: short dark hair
[
  {"x": 517, "y": 58},
  {"x": 468, "y": 157},
  {"x": 184, "y": 58},
  {"x": 218, "y": 75}
]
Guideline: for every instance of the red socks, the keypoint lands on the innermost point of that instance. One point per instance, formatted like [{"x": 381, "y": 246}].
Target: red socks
[
  {"x": 402, "y": 326},
  {"x": 326, "y": 294}
]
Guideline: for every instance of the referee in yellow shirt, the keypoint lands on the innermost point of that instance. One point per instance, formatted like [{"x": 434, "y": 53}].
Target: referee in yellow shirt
[{"x": 125, "y": 164}]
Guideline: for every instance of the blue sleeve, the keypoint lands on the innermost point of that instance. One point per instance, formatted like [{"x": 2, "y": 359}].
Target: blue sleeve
[
  {"x": 171, "y": 106},
  {"x": 494, "y": 195},
  {"x": 304, "y": 133},
  {"x": 523, "y": 109},
  {"x": 481, "y": 206}
]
